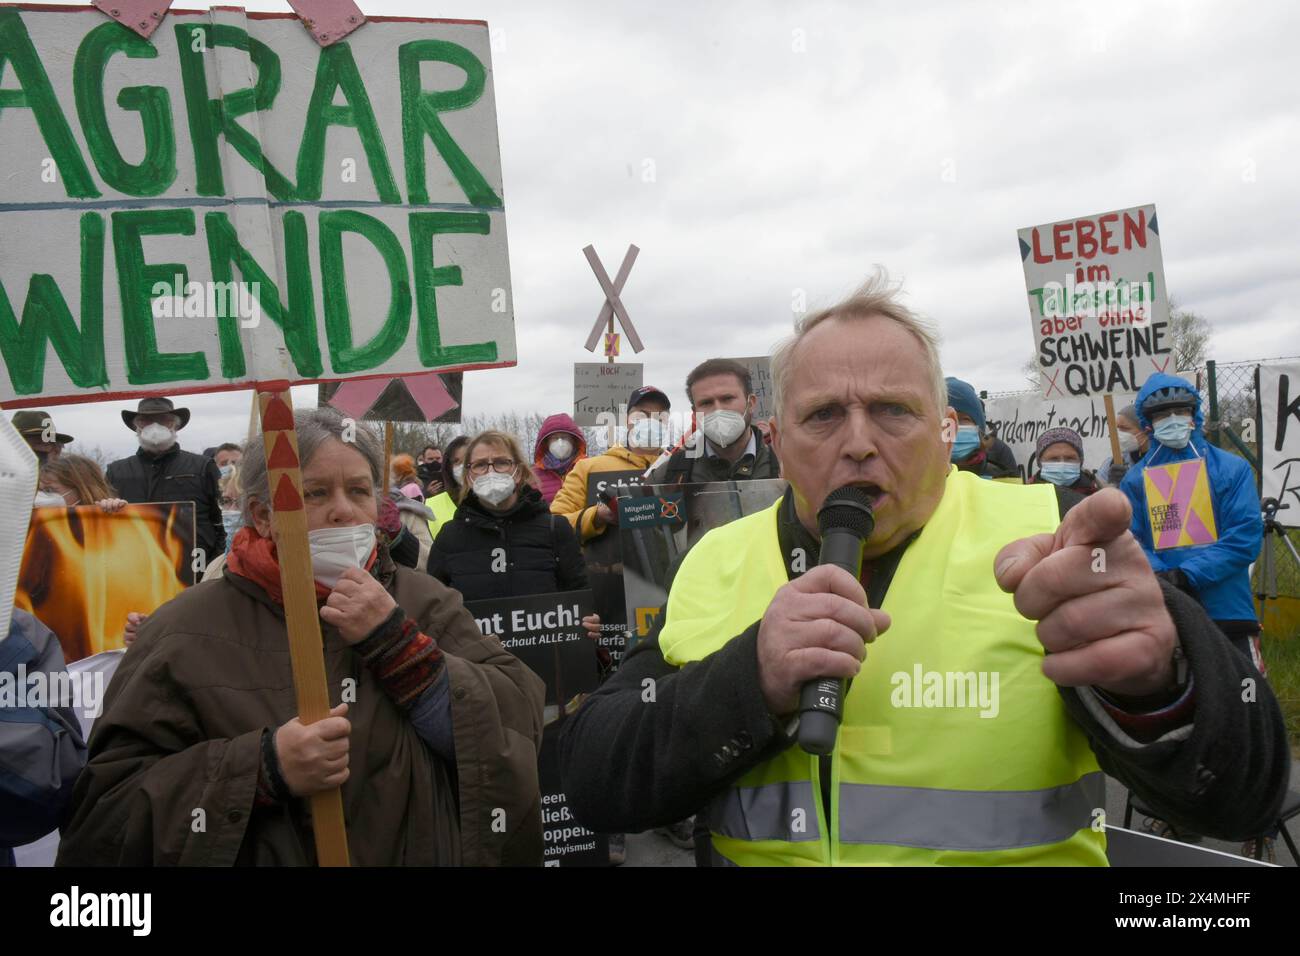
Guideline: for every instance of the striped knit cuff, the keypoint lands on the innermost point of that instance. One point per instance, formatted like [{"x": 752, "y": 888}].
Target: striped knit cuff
[
  {"x": 271, "y": 786},
  {"x": 406, "y": 661}
]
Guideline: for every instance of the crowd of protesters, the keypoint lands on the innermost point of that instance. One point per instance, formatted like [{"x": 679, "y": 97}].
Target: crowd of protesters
[{"x": 443, "y": 729}]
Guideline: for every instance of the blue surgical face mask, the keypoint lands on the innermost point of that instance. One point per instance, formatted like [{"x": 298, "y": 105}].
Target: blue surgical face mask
[
  {"x": 964, "y": 445},
  {"x": 1063, "y": 473},
  {"x": 1174, "y": 431}
]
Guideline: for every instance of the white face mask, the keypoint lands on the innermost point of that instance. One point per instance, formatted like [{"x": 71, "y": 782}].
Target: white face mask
[
  {"x": 458, "y": 474},
  {"x": 561, "y": 448},
  {"x": 48, "y": 499},
  {"x": 722, "y": 427},
  {"x": 155, "y": 437},
  {"x": 333, "y": 550},
  {"x": 646, "y": 433},
  {"x": 1128, "y": 442},
  {"x": 494, "y": 488}
]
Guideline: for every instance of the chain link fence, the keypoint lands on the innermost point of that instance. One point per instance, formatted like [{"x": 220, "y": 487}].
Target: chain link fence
[{"x": 1231, "y": 392}]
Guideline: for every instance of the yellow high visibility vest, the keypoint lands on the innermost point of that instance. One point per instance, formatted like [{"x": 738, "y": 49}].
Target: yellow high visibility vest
[
  {"x": 443, "y": 508},
  {"x": 954, "y": 748}
]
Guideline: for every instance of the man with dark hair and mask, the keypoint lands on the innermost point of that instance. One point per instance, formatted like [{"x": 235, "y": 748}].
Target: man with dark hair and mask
[
  {"x": 161, "y": 471},
  {"x": 728, "y": 446}
]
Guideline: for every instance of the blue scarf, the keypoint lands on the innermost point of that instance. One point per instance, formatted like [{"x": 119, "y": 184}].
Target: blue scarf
[{"x": 561, "y": 465}]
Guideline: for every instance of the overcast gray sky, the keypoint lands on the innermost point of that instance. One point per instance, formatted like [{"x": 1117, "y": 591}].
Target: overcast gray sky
[{"x": 793, "y": 145}]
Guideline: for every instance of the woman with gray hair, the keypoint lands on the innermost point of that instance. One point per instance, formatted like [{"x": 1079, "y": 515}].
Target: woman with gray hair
[{"x": 433, "y": 738}]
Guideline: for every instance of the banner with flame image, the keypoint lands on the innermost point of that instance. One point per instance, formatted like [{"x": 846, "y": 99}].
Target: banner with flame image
[{"x": 83, "y": 570}]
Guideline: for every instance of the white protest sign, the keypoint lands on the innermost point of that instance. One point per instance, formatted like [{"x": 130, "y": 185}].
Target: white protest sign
[
  {"x": 1022, "y": 417},
  {"x": 1279, "y": 438},
  {"x": 760, "y": 371},
  {"x": 18, "y": 474},
  {"x": 1098, "y": 302},
  {"x": 601, "y": 390},
  {"x": 229, "y": 203}
]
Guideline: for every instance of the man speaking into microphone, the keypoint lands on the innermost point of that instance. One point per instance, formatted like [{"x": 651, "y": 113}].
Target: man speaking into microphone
[{"x": 966, "y": 585}]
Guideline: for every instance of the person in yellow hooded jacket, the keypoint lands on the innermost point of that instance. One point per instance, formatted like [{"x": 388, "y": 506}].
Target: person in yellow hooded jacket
[{"x": 647, "y": 434}]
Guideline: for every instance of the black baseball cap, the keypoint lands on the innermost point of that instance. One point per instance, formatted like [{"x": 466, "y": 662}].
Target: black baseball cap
[{"x": 644, "y": 392}]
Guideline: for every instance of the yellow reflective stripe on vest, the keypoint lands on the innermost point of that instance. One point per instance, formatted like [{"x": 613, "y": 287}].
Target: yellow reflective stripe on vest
[
  {"x": 968, "y": 819},
  {"x": 921, "y": 775}
]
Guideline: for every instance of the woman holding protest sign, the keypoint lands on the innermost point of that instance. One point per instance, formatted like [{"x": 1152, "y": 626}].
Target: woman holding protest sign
[
  {"x": 433, "y": 738},
  {"x": 77, "y": 481}
]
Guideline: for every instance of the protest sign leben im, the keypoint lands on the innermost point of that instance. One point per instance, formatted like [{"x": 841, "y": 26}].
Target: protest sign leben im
[
  {"x": 255, "y": 208},
  {"x": 1098, "y": 302},
  {"x": 1279, "y": 439}
]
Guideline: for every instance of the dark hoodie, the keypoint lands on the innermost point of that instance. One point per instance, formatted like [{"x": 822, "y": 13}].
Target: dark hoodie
[{"x": 549, "y": 479}]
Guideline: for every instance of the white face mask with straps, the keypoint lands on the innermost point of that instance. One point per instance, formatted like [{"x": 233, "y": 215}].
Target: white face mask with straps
[{"x": 334, "y": 550}]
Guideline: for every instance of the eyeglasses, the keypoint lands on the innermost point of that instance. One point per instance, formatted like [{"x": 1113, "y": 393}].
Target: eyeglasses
[{"x": 499, "y": 465}]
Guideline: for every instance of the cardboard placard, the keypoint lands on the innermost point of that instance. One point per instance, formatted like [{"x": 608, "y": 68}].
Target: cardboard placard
[
  {"x": 1179, "y": 505},
  {"x": 84, "y": 570},
  {"x": 601, "y": 389},
  {"x": 291, "y": 238},
  {"x": 1098, "y": 302},
  {"x": 1279, "y": 438},
  {"x": 545, "y": 632}
]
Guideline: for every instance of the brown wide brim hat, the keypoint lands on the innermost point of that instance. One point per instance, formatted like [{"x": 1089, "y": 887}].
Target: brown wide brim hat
[{"x": 156, "y": 406}]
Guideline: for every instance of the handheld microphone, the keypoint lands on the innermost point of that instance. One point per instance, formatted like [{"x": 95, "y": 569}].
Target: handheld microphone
[{"x": 845, "y": 522}]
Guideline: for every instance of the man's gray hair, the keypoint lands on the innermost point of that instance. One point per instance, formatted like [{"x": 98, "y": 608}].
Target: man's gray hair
[
  {"x": 315, "y": 426},
  {"x": 877, "y": 296}
]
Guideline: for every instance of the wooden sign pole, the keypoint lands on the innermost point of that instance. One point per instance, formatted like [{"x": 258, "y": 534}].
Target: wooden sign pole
[
  {"x": 1116, "y": 456},
  {"x": 388, "y": 456},
  {"x": 306, "y": 655}
]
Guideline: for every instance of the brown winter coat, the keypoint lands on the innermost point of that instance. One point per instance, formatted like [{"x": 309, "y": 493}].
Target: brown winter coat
[{"x": 183, "y": 722}]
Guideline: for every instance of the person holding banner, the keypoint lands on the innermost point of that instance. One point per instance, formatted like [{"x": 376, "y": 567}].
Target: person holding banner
[
  {"x": 504, "y": 541},
  {"x": 1196, "y": 511},
  {"x": 647, "y": 434},
  {"x": 78, "y": 481},
  {"x": 1133, "y": 444},
  {"x": 199, "y": 758},
  {"x": 968, "y": 734},
  {"x": 1059, "y": 452}
]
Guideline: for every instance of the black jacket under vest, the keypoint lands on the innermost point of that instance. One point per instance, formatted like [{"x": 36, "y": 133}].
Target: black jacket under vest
[
  {"x": 684, "y": 468},
  {"x": 525, "y": 550},
  {"x": 175, "y": 475},
  {"x": 629, "y": 767}
]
